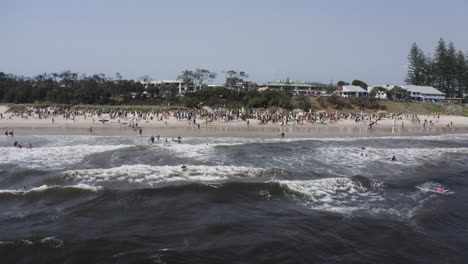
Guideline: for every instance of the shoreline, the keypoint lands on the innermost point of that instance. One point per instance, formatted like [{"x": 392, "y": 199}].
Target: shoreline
[{"x": 241, "y": 132}]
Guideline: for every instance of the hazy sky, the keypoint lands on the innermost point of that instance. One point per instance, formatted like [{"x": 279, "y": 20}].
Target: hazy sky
[{"x": 271, "y": 40}]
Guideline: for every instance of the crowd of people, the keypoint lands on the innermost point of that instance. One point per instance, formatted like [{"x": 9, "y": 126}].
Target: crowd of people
[{"x": 222, "y": 115}]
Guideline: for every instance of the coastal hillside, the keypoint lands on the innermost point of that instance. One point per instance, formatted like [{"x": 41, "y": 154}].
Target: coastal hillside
[{"x": 371, "y": 105}]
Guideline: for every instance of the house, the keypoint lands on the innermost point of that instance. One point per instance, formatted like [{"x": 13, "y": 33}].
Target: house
[
  {"x": 351, "y": 91},
  {"x": 380, "y": 94},
  {"x": 297, "y": 88},
  {"x": 424, "y": 93},
  {"x": 417, "y": 93},
  {"x": 174, "y": 84}
]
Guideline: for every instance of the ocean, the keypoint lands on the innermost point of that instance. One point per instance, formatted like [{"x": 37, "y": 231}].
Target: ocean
[{"x": 97, "y": 199}]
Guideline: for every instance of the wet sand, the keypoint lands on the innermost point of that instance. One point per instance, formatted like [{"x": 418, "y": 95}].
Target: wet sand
[{"x": 224, "y": 131}]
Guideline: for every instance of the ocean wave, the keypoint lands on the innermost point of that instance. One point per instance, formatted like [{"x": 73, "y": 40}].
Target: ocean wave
[
  {"x": 44, "y": 188},
  {"x": 51, "y": 157},
  {"x": 350, "y": 196},
  {"x": 370, "y": 161},
  {"x": 151, "y": 176},
  {"x": 51, "y": 242}
]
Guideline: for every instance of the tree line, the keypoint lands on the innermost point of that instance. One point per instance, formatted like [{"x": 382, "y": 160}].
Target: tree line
[
  {"x": 66, "y": 88},
  {"x": 446, "y": 70},
  {"x": 73, "y": 88}
]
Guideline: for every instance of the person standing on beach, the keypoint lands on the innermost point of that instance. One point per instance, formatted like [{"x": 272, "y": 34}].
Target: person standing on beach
[
  {"x": 6, "y": 133},
  {"x": 141, "y": 131}
]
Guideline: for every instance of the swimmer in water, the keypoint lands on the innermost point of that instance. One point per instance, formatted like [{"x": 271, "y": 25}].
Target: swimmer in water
[
  {"x": 183, "y": 166},
  {"x": 394, "y": 158}
]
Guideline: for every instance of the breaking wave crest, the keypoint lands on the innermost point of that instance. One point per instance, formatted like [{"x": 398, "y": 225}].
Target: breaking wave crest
[{"x": 151, "y": 176}]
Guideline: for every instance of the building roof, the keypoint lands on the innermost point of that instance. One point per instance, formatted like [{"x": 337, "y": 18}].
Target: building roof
[
  {"x": 388, "y": 87},
  {"x": 422, "y": 89},
  {"x": 351, "y": 88},
  {"x": 411, "y": 88},
  {"x": 295, "y": 84}
]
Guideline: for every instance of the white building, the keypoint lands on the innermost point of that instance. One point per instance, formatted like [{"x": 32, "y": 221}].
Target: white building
[
  {"x": 424, "y": 93},
  {"x": 380, "y": 94},
  {"x": 351, "y": 91},
  {"x": 177, "y": 84},
  {"x": 417, "y": 93}
]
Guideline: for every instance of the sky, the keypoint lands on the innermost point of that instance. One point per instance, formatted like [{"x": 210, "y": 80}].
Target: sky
[{"x": 323, "y": 41}]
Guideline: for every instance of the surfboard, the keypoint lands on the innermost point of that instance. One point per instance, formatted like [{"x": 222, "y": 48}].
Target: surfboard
[{"x": 422, "y": 188}]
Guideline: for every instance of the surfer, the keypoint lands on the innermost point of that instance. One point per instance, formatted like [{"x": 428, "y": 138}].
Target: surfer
[
  {"x": 183, "y": 166},
  {"x": 440, "y": 190},
  {"x": 394, "y": 158},
  {"x": 152, "y": 139}
]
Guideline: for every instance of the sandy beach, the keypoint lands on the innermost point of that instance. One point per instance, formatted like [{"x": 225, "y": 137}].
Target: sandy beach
[{"x": 171, "y": 127}]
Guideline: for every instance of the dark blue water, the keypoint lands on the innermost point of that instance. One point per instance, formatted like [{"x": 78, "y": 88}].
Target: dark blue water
[{"x": 85, "y": 199}]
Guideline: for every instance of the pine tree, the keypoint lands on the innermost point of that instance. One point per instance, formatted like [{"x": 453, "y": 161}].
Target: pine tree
[
  {"x": 429, "y": 71},
  {"x": 465, "y": 77},
  {"x": 440, "y": 63},
  {"x": 451, "y": 68},
  {"x": 461, "y": 73},
  {"x": 416, "y": 66}
]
